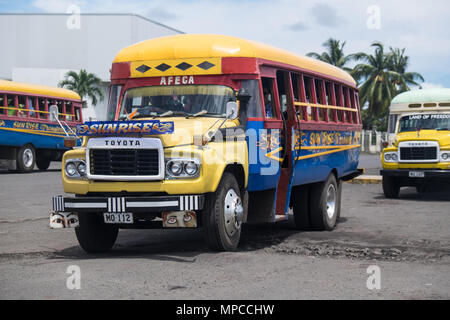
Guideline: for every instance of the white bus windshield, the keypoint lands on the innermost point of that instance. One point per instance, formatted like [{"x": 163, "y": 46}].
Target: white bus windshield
[
  {"x": 424, "y": 122},
  {"x": 154, "y": 101}
]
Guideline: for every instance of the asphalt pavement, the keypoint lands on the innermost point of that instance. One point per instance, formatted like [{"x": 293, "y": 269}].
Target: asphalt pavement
[{"x": 408, "y": 239}]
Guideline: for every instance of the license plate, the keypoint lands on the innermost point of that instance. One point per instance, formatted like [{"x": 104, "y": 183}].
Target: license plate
[
  {"x": 417, "y": 174},
  {"x": 118, "y": 218}
]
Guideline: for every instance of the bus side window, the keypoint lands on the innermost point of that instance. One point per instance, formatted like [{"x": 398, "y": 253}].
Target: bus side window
[
  {"x": 77, "y": 113},
  {"x": 308, "y": 97},
  {"x": 282, "y": 94},
  {"x": 269, "y": 103},
  {"x": 3, "y": 104},
  {"x": 347, "y": 103},
  {"x": 22, "y": 112},
  {"x": 330, "y": 101},
  {"x": 320, "y": 98},
  {"x": 392, "y": 123},
  {"x": 339, "y": 102},
  {"x": 254, "y": 109},
  {"x": 31, "y": 107},
  {"x": 42, "y": 104},
  {"x": 11, "y": 103},
  {"x": 69, "y": 111},
  {"x": 353, "y": 106},
  {"x": 300, "y": 111}
]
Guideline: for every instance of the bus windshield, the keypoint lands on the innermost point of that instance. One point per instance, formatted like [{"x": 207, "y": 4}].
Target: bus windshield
[
  {"x": 424, "y": 122},
  {"x": 154, "y": 101}
]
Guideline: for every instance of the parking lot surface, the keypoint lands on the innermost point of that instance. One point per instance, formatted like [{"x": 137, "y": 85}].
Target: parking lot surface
[{"x": 407, "y": 238}]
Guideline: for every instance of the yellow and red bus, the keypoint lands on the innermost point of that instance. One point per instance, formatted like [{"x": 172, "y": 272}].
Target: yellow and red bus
[
  {"x": 212, "y": 131},
  {"x": 27, "y": 134}
]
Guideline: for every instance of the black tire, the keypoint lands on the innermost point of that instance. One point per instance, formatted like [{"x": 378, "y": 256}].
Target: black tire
[
  {"x": 422, "y": 189},
  {"x": 42, "y": 162},
  {"x": 391, "y": 187},
  {"x": 214, "y": 224},
  {"x": 322, "y": 216},
  {"x": 300, "y": 207},
  {"x": 93, "y": 235},
  {"x": 26, "y": 159}
]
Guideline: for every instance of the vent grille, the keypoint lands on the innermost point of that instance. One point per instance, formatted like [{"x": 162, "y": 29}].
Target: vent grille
[
  {"x": 418, "y": 153},
  {"x": 124, "y": 162}
]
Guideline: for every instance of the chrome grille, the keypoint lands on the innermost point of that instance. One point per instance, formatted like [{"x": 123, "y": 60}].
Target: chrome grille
[
  {"x": 418, "y": 153},
  {"x": 124, "y": 162}
]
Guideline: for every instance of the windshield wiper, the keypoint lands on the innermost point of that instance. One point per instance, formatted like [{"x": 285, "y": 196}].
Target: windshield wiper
[
  {"x": 200, "y": 113},
  {"x": 171, "y": 113}
]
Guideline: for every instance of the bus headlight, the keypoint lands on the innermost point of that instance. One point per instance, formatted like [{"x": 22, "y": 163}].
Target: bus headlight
[
  {"x": 71, "y": 169},
  {"x": 445, "y": 156},
  {"x": 75, "y": 168},
  {"x": 391, "y": 157},
  {"x": 191, "y": 168},
  {"x": 182, "y": 168}
]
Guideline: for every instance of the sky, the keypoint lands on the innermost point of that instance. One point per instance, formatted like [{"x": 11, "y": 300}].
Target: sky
[{"x": 300, "y": 26}]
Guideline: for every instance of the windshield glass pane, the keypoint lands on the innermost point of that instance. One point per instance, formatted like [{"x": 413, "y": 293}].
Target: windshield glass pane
[
  {"x": 425, "y": 121},
  {"x": 191, "y": 99}
]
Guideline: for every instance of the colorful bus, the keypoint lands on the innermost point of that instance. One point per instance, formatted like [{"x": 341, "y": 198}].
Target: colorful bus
[
  {"x": 419, "y": 122},
  {"x": 212, "y": 131},
  {"x": 27, "y": 134}
]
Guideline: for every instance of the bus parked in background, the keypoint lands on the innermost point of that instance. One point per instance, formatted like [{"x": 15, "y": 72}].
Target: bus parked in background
[
  {"x": 419, "y": 129},
  {"x": 212, "y": 131},
  {"x": 27, "y": 134}
]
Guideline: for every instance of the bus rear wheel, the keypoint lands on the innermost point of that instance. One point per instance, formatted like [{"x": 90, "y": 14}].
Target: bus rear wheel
[
  {"x": 26, "y": 158},
  {"x": 223, "y": 215},
  {"x": 325, "y": 204},
  {"x": 391, "y": 187},
  {"x": 42, "y": 162},
  {"x": 93, "y": 235}
]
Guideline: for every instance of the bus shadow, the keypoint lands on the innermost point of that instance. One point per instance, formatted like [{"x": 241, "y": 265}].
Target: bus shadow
[
  {"x": 411, "y": 194},
  {"x": 185, "y": 245}
]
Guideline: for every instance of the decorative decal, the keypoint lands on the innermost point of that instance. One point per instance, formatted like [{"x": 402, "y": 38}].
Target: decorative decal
[
  {"x": 97, "y": 128},
  {"x": 143, "y": 68},
  {"x": 205, "y": 65},
  {"x": 163, "y": 67}
]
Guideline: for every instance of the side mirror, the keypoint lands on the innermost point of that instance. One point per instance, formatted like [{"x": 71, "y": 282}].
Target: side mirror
[
  {"x": 232, "y": 110},
  {"x": 54, "y": 113}
]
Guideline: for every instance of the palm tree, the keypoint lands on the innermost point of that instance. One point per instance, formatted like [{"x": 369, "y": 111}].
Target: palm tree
[
  {"x": 334, "y": 55},
  {"x": 85, "y": 84},
  {"x": 399, "y": 64},
  {"x": 378, "y": 86}
]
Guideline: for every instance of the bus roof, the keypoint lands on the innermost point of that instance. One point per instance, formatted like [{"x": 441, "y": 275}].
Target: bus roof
[
  {"x": 217, "y": 46},
  {"x": 20, "y": 87},
  {"x": 435, "y": 95}
]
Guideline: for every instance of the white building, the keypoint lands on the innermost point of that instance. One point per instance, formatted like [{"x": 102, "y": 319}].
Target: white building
[{"x": 41, "y": 48}]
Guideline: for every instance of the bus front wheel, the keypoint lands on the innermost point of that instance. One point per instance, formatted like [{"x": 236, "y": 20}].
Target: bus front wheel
[
  {"x": 26, "y": 158},
  {"x": 93, "y": 235},
  {"x": 325, "y": 204},
  {"x": 391, "y": 187},
  {"x": 223, "y": 215}
]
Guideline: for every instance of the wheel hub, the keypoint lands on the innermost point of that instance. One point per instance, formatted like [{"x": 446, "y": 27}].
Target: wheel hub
[
  {"x": 27, "y": 158},
  {"x": 331, "y": 201},
  {"x": 233, "y": 212}
]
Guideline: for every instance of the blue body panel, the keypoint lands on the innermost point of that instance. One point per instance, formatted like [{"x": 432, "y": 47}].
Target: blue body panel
[
  {"x": 40, "y": 135},
  {"x": 320, "y": 152}
]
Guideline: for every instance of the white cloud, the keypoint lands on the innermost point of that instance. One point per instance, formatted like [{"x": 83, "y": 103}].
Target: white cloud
[
  {"x": 429, "y": 85},
  {"x": 420, "y": 26}
]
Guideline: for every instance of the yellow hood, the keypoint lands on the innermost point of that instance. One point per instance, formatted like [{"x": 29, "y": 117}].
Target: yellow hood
[
  {"x": 185, "y": 129},
  {"x": 443, "y": 137}
]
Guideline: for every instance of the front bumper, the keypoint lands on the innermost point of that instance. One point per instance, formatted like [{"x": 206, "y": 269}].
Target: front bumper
[
  {"x": 128, "y": 204},
  {"x": 404, "y": 173}
]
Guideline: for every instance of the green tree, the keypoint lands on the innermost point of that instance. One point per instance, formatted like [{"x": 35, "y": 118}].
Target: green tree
[
  {"x": 85, "y": 84},
  {"x": 399, "y": 63},
  {"x": 334, "y": 54},
  {"x": 378, "y": 81}
]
